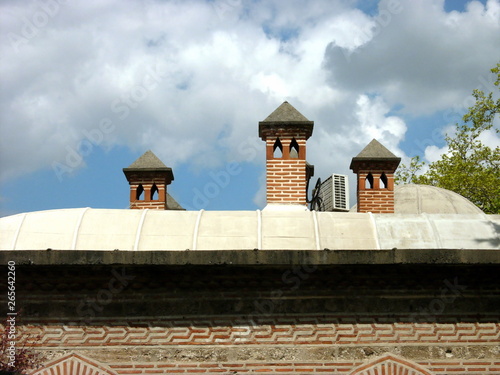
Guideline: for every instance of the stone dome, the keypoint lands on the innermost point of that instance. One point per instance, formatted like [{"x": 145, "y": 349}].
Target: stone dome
[
  {"x": 417, "y": 199},
  {"x": 89, "y": 229}
]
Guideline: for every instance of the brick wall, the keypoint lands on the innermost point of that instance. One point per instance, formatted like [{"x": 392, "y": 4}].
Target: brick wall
[
  {"x": 285, "y": 175},
  {"x": 147, "y": 181},
  {"x": 239, "y": 320},
  {"x": 286, "y": 181},
  {"x": 377, "y": 198},
  {"x": 159, "y": 204},
  {"x": 387, "y": 364}
]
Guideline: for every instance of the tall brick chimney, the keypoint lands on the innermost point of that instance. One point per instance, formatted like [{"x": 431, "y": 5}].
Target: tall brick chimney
[
  {"x": 285, "y": 132},
  {"x": 148, "y": 178},
  {"x": 375, "y": 166}
]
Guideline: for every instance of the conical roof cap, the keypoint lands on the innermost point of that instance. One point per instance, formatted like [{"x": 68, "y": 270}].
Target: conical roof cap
[
  {"x": 376, "y": 152},
  {"x": 286, "y": 116},
  {"x": 148, "y": 160},
  {"x": 286, "y": 113}
]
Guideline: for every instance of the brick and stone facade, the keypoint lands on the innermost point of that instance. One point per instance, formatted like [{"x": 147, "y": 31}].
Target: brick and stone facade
[
  {"x": 285, "y": 132},
  {"x": 301, "y": 319}
]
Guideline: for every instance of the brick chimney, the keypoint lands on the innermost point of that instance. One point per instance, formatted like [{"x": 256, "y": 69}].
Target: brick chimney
[
  {"x": 375, "y": 166},
  {"x": 285, "y": 132},
  {"x": 148, "y": 178}
]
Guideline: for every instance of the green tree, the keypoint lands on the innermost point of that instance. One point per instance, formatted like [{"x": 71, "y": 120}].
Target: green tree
[
  {"x": 469, "y": 168},
  {"x": 408, "y": 174}
]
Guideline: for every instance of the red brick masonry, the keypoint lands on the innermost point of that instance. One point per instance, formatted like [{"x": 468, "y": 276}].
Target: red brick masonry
[{"x": 135, "y": 348}]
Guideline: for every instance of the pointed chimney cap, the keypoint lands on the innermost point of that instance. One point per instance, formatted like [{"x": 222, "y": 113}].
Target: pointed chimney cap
[
  {"x": 286, "y": 116},
  {"x": 149, "y": 162},
  {"x": 374, "y": 151},
  {"x": 286, "y": 113}
]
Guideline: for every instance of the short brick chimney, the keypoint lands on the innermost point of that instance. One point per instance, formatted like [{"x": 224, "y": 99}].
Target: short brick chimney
[
  {"x": 375, "y": 166},
  {"x": 285, "y": 132},
  {"x": 148, "y": 178}
]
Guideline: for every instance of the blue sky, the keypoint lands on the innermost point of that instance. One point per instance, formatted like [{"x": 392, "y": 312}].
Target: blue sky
[{"x": 88, "y": 86}]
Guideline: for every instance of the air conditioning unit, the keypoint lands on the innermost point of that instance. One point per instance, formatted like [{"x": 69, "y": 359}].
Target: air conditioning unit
[{"x": 334, "y": 193}]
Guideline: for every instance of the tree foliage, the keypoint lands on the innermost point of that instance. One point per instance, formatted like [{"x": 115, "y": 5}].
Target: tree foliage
[
  {"x": 25, "y": 358},
  {"x": 408, "y": 174},
  {"x": 469, "y": 167}
]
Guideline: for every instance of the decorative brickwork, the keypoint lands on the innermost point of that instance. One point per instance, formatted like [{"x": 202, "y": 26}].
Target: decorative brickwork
[
  {"x": 147, "y": 183},
  {"x": 390, "y": 365},
  {"x": 238, "y": 331},
  {"x": 376, "y": 199},
  {"x": 74, "y": 364},
  {"x": 375, "y": 167},
  {"x": 148, "y": 178},
  {"x": 349, "y": 367},
  {"x": 285, "y": 132},
  {"x": 355, "y": 320}
]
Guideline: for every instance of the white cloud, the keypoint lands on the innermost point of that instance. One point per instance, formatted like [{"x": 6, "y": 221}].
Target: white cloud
[
  {"x": 489, "y": 138},
  {"x": 375, "y": 123},
  {"x": 191, "y": 79},
  {"x": 332, "y": 148},
  {"x": 434, "y": 153},
  {"x": 421, "y": 57}
]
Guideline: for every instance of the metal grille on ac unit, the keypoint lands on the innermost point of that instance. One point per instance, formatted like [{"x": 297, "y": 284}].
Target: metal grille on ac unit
[{"x": 334, "y": 193}]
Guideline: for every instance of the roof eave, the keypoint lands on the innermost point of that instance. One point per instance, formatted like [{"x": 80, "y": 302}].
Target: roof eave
[
  {"x": 301, "y": 126},
  {"x": 167, "y": 171},
  {"x": 359, "y": 160},
  {"x": 258, "y": 258}
]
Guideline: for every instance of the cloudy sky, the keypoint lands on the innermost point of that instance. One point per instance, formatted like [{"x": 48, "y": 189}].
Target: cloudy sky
[{"x": 87, "y": 86}]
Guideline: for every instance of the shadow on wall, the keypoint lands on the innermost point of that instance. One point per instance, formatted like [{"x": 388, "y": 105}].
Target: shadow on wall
[
  {"x": 493, "y": 241},
  {"x": 250, "y": 296}
]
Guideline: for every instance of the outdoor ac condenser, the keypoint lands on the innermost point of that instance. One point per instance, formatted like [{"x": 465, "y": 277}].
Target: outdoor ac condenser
[{"x": 334, "y": 193}]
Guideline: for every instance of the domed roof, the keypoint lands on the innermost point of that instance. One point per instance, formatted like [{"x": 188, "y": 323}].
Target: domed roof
[
  {"x": 418, "y": 199},
  {"x": 165, "y": 230}
]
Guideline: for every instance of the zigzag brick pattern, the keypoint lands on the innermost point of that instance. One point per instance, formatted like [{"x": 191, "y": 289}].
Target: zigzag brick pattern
[
  {"x": 335, "y": 323},
  {"x": 231, "y": 333}
]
